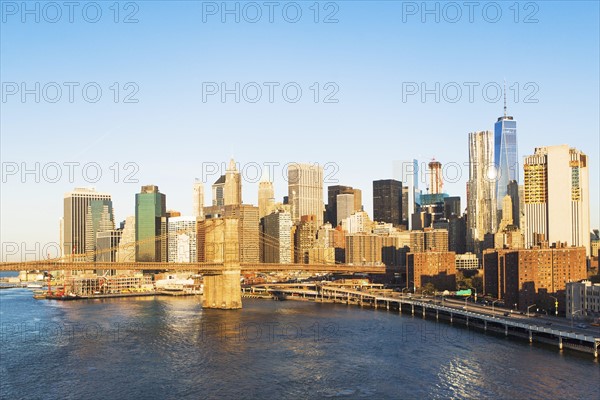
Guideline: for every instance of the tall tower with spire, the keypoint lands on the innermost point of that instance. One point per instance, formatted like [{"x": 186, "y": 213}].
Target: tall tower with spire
[
  {"x": 506, "y": 157},
  {"x": 266, "y": 195},
  {"x": 232, "y": 191}
]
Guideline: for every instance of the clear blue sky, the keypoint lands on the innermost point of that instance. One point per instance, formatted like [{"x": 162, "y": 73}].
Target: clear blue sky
[{"x": 374, "y": 51}]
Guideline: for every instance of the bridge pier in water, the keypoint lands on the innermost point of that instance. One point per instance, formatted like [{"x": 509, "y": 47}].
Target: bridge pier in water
[{"x": 222, "y": 289}]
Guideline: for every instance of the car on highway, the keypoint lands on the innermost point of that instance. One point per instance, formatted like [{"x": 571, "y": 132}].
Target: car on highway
[
  {"x": 582, "y": 326},
  {"x": 506, "y": 314}
]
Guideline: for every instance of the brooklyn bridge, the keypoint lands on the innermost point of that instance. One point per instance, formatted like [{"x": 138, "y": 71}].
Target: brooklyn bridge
[{"x": 222, "y": 275}]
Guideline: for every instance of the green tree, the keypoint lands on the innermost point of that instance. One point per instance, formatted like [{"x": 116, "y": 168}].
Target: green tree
[{"x": 429, "y": 288}]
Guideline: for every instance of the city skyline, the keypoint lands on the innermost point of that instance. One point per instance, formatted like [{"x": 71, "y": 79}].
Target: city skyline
[
  {"x": 371, "y": 52},
  {"x": 424, "y": 177},
  {"x": 483, "y": 190}
]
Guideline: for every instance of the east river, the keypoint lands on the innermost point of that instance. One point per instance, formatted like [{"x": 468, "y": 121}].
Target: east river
[{"x": 170, "y": 348}]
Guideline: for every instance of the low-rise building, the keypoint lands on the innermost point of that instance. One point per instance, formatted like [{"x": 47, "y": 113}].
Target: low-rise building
[{"x": 583, "y": 298}]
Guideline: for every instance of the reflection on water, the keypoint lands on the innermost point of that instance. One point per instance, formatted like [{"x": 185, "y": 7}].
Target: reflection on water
[{"x": 171, "y": 348}]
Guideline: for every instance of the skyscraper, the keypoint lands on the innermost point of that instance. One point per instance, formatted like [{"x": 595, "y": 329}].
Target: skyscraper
[
  {"x": 507, "y": 213},
  {"x": 515, "y": 198},
  {"x": 305, "y": 191},
  {"x": 232, "y": 190},
  {"x": 198, "y": 199},
  {"x": 277, "y": 239},
  {"x": 481, "y": 190},
  {"x": 266, "y": 196},
  {"x": 218, "y": 192},
  {"x": 126, "y": 250},
  {"x": 405, "y": 207},
  {"x": 99, "y": 218},
  {"x": 75, "y": 219},
  {"x": 452, "y": 207},
  {"x": 150, "y": 216},
  {"x": 407, "y": 172},
  {"x": 387, "y": 201},
  {"x": 332, "y": 205},
  {"x": 305, "y": 238},
  {"x": 107, "y": 243},
  {"x": 457, "y": 234},
  {"x": 182, "y": 239},
  {"x": 557, "y": 197},
  {"x": 331, "y": 208},
  {"x": 344, "y": 206},
  {"x": 505, "y": 155}
]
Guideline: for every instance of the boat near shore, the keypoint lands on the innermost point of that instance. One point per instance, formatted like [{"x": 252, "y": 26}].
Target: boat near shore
[
  {"x": 68, "y": 296},
  {"x": 34, "y": 285}
]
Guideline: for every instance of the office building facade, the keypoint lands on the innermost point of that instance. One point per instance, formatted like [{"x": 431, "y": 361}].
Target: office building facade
[
  {"x": 150, "y": 225},
  {"x": 99, "y": 218},
  {"x": 266, "y": 197},
  {"x": 277, "y": 238},
  {"x": 481, "y": 190},
  {"x": 387, "y": 201},
  {"x": 75, "y": 220},
  {"x": 182, "y": 245},
  {"x": 556, "y": 196},
  {"x": 305, "y": 191}
]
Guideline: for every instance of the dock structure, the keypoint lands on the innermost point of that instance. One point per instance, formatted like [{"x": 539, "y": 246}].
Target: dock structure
[{"x": 494, "y": 321}]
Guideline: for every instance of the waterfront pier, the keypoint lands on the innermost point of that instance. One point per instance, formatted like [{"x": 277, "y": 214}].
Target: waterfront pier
[{"x": 440, "y": 309}]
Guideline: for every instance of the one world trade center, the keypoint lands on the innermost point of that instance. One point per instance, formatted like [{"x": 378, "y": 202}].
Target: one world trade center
[{"x": 505, "y": 155}]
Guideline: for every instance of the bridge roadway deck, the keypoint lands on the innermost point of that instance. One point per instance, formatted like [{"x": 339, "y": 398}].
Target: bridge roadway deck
[{"x": 200, "y": 267}]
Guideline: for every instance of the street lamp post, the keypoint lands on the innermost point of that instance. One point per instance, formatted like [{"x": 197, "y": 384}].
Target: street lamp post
[
  {"x": 533, "y": 305},
  {"x": 494, "y": 302}
]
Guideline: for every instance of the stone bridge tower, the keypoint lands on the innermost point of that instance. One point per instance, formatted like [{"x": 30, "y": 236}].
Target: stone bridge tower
[{"x": 222, "y": 289}]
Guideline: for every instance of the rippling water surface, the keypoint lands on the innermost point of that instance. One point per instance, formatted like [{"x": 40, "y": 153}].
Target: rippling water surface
[{"x": 160, "y": 347}]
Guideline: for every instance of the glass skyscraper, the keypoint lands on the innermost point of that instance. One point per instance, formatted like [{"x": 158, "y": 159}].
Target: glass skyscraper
[
  {"x": 150, "y": 208},
  {"x": 99, "y": 218},
  {"x": 505, "y": 155}
]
